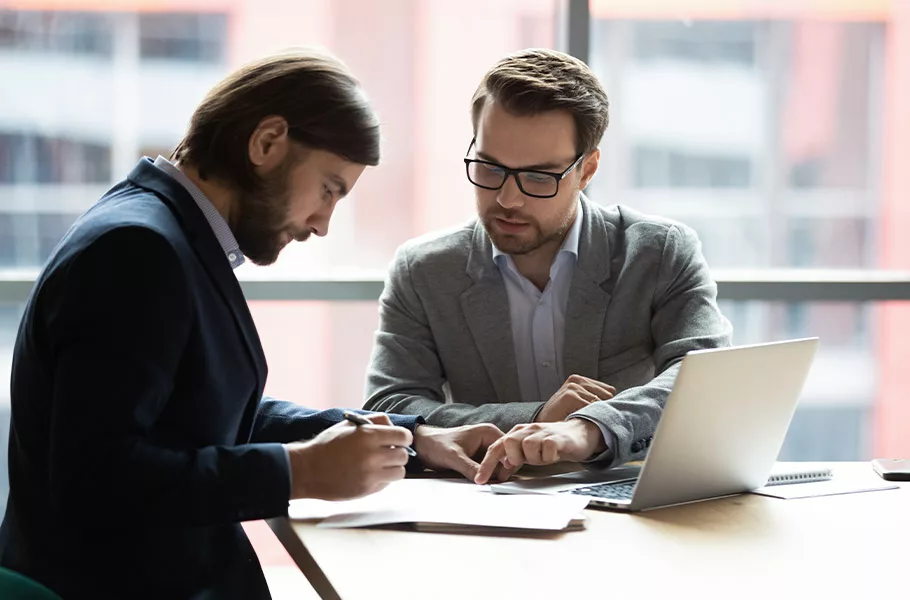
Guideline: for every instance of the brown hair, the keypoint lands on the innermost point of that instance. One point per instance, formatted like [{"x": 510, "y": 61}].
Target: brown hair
[
  {"x": 315, "y": 93},
  {"x": 538, "y": 80}
]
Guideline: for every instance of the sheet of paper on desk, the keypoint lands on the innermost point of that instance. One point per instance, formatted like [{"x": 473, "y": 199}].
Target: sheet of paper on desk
[
  {"x": 832, "y": 487},
  {"x": 407, "y": 492},
  {"x": 446, "y": 502}
]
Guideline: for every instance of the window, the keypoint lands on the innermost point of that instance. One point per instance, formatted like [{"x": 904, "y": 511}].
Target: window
[
  {"x": 67, "y": 33},
  {"x": 828, "y": 242},
  {"x": 27, "y": 158},
  {"x": 665, "y": 168},
  {"x": 183, "y": 37},
  {"x": 828, "y": 84},
  {"x": 8, "y": 245},
  {"x": 27, "y": 239},
  {"x": 760, "y": 132},
  {"x": 9, "y": 324},
  {"x": 699, "y": 41}
]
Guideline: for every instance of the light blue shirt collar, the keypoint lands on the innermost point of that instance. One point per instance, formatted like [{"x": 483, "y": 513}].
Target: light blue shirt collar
[{"x": 219, "y": 226}]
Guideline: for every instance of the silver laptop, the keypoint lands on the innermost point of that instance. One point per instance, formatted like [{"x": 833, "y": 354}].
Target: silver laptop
[{"x": 720, "y": 433}]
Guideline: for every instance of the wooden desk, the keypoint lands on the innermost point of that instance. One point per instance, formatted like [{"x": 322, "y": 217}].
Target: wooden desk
[{"x": 853, "y": 546}]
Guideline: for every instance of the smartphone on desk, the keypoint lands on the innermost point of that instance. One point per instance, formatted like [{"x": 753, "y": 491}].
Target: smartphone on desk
[{"x": 892, "y": 469}]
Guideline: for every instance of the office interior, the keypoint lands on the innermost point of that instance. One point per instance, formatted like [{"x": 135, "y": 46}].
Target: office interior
[{"x": 778, "y": 130}]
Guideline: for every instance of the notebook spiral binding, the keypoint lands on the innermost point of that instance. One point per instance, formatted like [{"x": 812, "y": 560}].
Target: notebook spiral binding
[{"x": 799, "y": 477}]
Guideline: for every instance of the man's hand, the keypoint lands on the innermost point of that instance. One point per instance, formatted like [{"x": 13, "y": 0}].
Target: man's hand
[
  {"x": 576, "y": 393},
  {"x": 574, "y": 440},
  {"x": 455, "y": 448},
  {"x": 346, "y": 461}
]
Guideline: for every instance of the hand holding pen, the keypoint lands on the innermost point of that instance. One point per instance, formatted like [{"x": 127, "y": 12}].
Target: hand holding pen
[
  {"x": 358, "y": 420},
  {"x": 345, "y": 462}
]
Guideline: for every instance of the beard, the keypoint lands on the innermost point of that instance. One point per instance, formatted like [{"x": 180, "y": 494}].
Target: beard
[
  {"x": 528, "y": 241},
  {"x": 261, "y": 226}
]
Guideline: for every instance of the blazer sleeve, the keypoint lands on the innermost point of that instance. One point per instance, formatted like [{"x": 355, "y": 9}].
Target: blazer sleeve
[
  {"x": 684, "y": 317},
  {"x": 286, "y": 422},
  {"x": 115, "y": 322},
  {"x": 406, "y": 374}
]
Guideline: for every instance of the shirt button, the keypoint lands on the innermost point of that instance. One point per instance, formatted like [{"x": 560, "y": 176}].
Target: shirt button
[{"x": 545, "y": 364}]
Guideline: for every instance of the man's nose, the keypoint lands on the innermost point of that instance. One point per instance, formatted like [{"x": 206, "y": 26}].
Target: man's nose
[{"x": 510, "y": 196}]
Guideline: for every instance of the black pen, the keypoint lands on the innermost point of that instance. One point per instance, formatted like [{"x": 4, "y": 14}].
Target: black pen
[{"x": 359, "y": 420}]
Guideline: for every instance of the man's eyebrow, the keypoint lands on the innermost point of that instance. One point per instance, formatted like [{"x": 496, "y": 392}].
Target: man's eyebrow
[
  {"x": 547, "y": 166},
  {"x": 342, "y": 185}
]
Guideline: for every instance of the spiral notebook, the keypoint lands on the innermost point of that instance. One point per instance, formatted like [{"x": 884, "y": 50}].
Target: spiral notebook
[
  {"x": 811, "y": 481},
  {"x": 786, "y": 473}
]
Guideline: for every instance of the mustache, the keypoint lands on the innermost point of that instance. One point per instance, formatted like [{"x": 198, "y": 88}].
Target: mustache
[
  {"x": 509, "y": 215},
  {"x": 301, "y": 236}
]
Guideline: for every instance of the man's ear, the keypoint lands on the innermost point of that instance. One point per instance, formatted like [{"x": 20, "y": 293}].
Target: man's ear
[
  {"x": 589, "y": 167},
  {"x": 269, "y": 143}
]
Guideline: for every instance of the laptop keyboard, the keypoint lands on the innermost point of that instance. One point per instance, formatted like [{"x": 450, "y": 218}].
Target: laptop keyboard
[{"x": 609, "y": 491}]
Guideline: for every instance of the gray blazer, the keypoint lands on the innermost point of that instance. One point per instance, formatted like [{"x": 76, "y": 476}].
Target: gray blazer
[{"x": 641, "y": 297}]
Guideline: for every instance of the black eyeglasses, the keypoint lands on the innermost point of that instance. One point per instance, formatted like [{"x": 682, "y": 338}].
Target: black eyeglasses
[{"x": 538, "y": 184}]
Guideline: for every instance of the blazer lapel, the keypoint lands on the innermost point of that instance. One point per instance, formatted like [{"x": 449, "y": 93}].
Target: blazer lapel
[
  {"x": 486, "y": 310},
  {"x": 589, "y": 296},
  {"x": 210, "y": 253}
]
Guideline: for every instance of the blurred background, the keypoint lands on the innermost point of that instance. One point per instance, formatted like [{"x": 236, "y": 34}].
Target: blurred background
[{"x": 778, "y": 129}]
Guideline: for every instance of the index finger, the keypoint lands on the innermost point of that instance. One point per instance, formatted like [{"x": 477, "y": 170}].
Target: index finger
[{"x": 495, "y": 453}]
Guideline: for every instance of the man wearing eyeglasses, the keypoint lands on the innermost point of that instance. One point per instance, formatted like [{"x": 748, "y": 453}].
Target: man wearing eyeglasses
[{"x": 559, "y": 320}]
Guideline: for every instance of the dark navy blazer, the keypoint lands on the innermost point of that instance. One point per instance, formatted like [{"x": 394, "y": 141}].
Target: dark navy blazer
[{"x": 139, "y": 434}]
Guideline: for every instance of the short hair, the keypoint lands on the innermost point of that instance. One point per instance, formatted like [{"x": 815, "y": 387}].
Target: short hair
[
  {"x": 538, "y": 80},
  {"x": 316, "y": 94}
]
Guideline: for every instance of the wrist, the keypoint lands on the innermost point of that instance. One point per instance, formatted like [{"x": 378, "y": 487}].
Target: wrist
[
  {"x": 592, "y": 439},
  {"x": 297, "y": 459},
  {"x": 535, "y": 418},
  {"x": 421, "y": 434}
]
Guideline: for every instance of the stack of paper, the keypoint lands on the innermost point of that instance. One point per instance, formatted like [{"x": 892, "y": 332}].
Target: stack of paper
[{"x": 439, "y": 505}]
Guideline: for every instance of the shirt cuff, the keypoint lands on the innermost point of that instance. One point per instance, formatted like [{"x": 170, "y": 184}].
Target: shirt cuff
[
  {"x": 287, "y": 458},
  {"x": 609, "y": 440}
]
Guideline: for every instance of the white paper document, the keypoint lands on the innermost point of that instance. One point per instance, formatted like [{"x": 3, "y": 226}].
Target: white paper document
[
  {"x": 444, "y": 502},
  {"x": 832, "y": 487}
]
